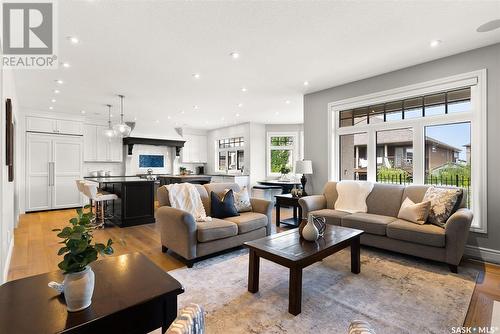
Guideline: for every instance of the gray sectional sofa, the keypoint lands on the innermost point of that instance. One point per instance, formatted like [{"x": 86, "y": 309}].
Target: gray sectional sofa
[
  {"x": 192, "y": 240},
  {"x": 384, "y": 230}
]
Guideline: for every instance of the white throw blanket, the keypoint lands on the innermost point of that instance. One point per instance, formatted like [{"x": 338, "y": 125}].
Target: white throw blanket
[
  {"x": 185, "y": 196},
  {"x": 352, "y": 195}
]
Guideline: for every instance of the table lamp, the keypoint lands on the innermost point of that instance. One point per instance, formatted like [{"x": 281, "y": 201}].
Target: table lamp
[{"x": 303, "y": 167}]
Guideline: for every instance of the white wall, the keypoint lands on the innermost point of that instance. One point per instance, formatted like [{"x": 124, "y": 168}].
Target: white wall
[
  {"x": 9, "y": 190},
  {"x": 316, "y": 125},
  {"x": 257, "y": 153}
]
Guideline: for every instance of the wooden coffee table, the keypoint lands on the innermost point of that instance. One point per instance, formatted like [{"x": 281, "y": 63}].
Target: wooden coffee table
[{"x": 290, "y": 250}]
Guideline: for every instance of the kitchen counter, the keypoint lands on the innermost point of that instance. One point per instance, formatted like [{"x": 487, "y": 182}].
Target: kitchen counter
[
  {"x": 117, "y": 179},
  {"x": 195, "y": 179},
  {"x": 135, "y": 203}
]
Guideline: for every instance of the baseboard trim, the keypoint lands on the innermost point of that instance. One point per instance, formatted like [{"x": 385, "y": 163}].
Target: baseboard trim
[
  {"x": 483, "y": 254},
  {"x": 7, "y": 261}
]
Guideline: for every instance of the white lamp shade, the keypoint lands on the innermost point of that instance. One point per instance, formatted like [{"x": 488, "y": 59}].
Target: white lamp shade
[
  {"x": 303, "y": 167},
  {"x": 122, "y": 130}
]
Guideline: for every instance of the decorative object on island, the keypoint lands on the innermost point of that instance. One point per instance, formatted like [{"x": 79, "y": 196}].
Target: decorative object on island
[
  {"x": 122, "y": 129},
  {"x": 284, "y": 170},
  {"x": 183, "y": 170},
  {"x": 303, "y": 167},
  {"x": 109, "y": 132},
  {"x": 79, "y": 252},
  {"x": 310, "y": 231}
]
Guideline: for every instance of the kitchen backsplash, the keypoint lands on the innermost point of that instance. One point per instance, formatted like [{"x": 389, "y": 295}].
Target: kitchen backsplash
[{"x": 116, "y": 168}]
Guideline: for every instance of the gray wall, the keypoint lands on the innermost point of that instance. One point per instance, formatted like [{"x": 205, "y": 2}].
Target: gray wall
[{"x": 316, "y": 119}]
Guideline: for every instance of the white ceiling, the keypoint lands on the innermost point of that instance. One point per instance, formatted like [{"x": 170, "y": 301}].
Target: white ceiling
[{"x": 148, "y": 51}]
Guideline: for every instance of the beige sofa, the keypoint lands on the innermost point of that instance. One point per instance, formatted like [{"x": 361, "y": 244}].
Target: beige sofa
[
  {"x": 192, "y": 240},
  {"x": 384, "y": 230}
]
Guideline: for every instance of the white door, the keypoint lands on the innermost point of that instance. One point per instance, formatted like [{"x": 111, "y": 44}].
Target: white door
[
  {"x": 39, "y": 158},
  {"x": 89, "y": 142},
  {"x": 67, "y": 160}
]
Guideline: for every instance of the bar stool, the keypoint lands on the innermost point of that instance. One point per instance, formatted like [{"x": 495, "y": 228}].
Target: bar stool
[{"x": 100, "y": 199}]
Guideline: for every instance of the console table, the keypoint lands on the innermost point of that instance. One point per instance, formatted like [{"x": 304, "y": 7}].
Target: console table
[{"x": 131, "y": 295}]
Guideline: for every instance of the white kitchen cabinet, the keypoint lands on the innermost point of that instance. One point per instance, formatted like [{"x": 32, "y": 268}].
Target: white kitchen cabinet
[
  {"x": 52, "y": 125},
  {"x": 195, "y": 149},
  {"x": 241, "y": 180},
  {"x": 98, "y": 147},
  {"x": 53, "y": 164}
]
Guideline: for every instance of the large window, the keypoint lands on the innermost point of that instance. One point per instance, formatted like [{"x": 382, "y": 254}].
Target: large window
[
  {"x": 430, "y": 133},
  {"x": 282, "y": 152},
  {"x": 231, "y": 154}
]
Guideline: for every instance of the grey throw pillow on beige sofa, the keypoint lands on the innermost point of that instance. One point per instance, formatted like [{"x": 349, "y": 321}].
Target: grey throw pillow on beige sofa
[
  {"x": 241, "y": 200},
  {"x": 444, "y": 202},
  {"x": 414, "y": 212}
]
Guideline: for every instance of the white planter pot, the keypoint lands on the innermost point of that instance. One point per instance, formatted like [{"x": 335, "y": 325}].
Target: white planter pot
[{"x": 78, "y": 289}]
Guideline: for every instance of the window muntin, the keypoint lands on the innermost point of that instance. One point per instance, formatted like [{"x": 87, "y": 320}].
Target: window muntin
[
  {"x": 231, "y": 142},
  {"x": 454, "y": 101}
]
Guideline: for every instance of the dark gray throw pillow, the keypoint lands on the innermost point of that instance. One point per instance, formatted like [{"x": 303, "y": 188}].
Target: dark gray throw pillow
[{"x": 223, "y": 208}]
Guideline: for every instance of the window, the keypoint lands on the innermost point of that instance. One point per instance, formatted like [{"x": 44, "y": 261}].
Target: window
[
  {"x": 282, "y": 152},
  {"x": 231, "y": 155},
  {"x": 429, "y": 133}
]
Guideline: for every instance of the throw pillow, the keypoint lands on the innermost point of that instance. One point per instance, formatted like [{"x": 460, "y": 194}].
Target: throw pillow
[
  {"x": 223, "y": 207},
  {"x": 414, "y": 212},
  {"x": 242, "y": 200},
  {"x": 352, "y": 196},
  {"x": 444, "y": 202}
]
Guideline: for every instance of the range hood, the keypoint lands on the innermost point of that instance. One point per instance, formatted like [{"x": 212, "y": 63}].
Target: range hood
[{"x": 131, "y": 141}]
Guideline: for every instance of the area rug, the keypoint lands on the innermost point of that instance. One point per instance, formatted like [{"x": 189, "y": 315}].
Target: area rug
[{"x": 395, "y": 293}]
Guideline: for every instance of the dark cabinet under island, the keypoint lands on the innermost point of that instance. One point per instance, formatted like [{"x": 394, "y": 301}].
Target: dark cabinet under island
[{"x": 135, "y": 203}]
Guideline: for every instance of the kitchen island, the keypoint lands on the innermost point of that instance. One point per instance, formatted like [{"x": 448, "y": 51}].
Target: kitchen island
[
  {"x": 195, "y": 179},
  {"x": 135, "y": 203}
]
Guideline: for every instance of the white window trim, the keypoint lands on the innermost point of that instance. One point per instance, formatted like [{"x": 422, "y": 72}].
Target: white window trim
[
  {"x": 294, "y": 148},
  {"x": 477, "y": 80},
  {"x": 226, "y": 150}
]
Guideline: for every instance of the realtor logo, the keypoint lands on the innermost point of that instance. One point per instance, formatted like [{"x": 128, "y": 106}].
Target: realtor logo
[{"x": 28, "y": 35}]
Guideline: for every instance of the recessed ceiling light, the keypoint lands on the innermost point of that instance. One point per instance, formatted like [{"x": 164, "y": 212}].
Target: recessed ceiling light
[
  {"x": 56, "y": 91},
  {"x": 83, "y": 111},
  {"x": 53, "y": 100},
  {"x": 169, "y": 117},
  {"x": 287, "y": 101},
  {"x": 183, "y": 112},
  {"x": 157, "y": 121},
  {"x": 243, "y": 89},
  {"x": 196, "y": 75},
  {"x": 51, "y": 108},
  {"x": 196, "y": 106},
  {"x": 277, "y": 113},
  {"x": 222, "y": 118},
  {"x": 240, "y": 105},
  {"x": 73, "y": 39},
  {"x": 135, "y": 118},
  {"x": 59, "y": 81},
  {"x": 237, "y": 115},
  {"x": 66, "y": 65},
  {"x": 235, "y": 55},
  {"x": 306, "y": 83},
  {"x": 435, "y": 43}
]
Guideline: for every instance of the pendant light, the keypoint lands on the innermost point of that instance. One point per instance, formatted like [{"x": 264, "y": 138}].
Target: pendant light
[
  {"x": 122, "y": 129},
  {"x": 109, "y": 132}
]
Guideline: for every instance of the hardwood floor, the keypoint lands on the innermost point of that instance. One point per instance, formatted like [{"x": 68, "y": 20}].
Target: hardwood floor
[{"x": 35, "y": 252}]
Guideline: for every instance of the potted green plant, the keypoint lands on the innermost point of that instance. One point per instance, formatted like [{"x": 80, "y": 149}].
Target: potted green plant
[
  {"x": 79, "y": 251},
  {"x": 285, "y": 170}
]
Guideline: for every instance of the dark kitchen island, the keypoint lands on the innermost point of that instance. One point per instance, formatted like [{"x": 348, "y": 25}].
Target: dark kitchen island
[{"x": 135, "y": 203}]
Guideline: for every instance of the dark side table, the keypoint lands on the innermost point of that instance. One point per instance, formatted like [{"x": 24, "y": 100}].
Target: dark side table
[
  {"x": 131, "y": 295},
  {"x": 289, "y": 201}
]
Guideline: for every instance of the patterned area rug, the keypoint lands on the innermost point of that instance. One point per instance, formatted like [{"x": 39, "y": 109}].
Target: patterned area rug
[{"x": 395, "y": 293}]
